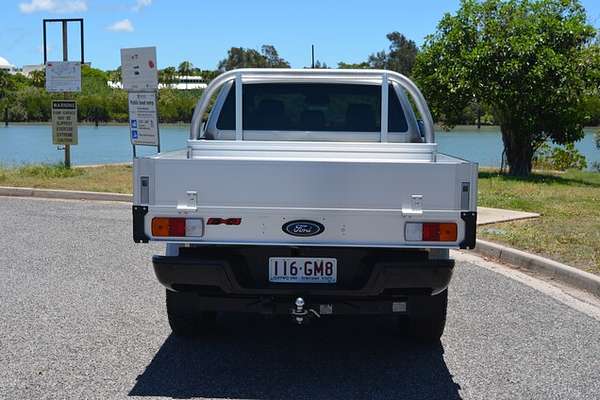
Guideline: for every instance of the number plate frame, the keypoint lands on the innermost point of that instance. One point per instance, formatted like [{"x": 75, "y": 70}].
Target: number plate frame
[{"x": 307, "y": 270}]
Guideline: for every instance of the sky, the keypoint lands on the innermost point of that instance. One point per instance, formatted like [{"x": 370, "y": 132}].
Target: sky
[{"x": 202, "y": 31}]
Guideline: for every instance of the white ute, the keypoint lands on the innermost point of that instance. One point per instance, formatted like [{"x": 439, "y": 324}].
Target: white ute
[{"x": 307, "y": 193}]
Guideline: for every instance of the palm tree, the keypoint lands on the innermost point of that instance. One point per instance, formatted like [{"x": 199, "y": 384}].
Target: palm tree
[{"x": 185, "y": 68}]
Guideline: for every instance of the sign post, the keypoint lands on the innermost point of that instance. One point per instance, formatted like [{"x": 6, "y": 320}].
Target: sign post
[
  {"x": 64, "y": 77},
  {"x": 140, "y": 79}
]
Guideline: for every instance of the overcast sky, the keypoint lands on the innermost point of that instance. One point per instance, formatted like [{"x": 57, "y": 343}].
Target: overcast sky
[{"x": 201, "y": 31}]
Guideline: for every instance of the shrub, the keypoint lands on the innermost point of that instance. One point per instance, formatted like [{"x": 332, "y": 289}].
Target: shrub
[{"x": 559, "y": 158}]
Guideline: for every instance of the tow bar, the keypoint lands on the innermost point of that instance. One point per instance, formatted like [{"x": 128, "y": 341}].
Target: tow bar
[{"x": 300, "y": 313}]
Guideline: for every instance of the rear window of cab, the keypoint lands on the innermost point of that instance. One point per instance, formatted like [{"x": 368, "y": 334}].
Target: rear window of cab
[{"x": 312, "y": 107}]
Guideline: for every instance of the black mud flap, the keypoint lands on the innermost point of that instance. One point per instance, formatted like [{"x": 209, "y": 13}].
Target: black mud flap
[
  {"x": 470, "y": 218},
  {"x": 139, "y": 214}
]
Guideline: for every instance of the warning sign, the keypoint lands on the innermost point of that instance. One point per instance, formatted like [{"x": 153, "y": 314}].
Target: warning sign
[
  {"x": 143, "y": 119},
  {"x": 64, "y": 122}
]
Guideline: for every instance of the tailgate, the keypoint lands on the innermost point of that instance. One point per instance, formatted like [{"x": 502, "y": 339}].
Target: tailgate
[{"x": 342, "y": 194}]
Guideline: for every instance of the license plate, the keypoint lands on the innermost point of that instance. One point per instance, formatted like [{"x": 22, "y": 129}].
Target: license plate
[{"x": 302, "y": 270}]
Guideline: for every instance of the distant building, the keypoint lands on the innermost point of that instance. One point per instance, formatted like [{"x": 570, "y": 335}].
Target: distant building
[
  {"x": 185, "y": 82},
  {"x": 115, "y": 85},
  {"x": 180, "y": 83},
  {"x": 28, "y": 69},
  {"x": 6, "y": 66}
]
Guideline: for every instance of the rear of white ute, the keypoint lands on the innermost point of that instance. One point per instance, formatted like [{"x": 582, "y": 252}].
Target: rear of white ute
[{"x": 308, "y": 193}]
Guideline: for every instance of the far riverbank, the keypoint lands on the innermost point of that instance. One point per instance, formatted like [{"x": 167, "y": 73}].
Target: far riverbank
[{"x": 109, "y": 143}]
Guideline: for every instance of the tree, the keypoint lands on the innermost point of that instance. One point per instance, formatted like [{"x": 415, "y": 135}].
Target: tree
[
  {"x": 402, "y": 55},
  {"x": 239, "y": 57},
  {"x": 167, "y": 75},
  {"x": 93, "y": 80},
  {"x": 400, "y": 58},
  {"x": 6, "y": 84},
  {"x": 271, "y": 57},
  {"x": 185, "y": 68},
  {"x": 362, "y": 65},
  {"x": 115, "y": 76},
  {"x": 321, "y": 65},
  {"x": 529, "y": 61},
  {"x": 38, "y": 78}
]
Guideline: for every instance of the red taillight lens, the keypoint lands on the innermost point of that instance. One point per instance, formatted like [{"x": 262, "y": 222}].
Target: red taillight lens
[
  {"x": 431, "y": 232},
  {"x": 176, "y": 227}
]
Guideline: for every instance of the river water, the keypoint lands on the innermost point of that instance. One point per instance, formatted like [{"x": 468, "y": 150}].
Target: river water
[{"x": 22, "y": 143}]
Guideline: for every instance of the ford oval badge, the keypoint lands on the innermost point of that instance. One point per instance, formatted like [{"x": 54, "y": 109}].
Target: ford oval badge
[{"x": 303, "y": 228}]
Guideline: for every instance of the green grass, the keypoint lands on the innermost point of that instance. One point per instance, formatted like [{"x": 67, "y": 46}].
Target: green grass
[
  {"x": 115, "y": 179},
  {"x": 567, "y": 231},
  {"x": 569, "y": 227}
]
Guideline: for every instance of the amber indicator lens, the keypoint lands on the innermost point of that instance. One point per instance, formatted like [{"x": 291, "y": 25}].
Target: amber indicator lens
[{"x": 168, "y": 227}]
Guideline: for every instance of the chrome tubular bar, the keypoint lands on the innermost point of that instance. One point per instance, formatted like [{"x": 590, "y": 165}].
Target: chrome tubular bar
[{"x": 311, "y": 75}]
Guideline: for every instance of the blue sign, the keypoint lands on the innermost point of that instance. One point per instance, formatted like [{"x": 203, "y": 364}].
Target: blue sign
[
  {"x": 134, "y": 123},
  {"x": 134, "y": 134}
]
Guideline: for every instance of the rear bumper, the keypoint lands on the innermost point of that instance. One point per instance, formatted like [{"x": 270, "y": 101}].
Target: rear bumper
[{"x": 219, "y": 278}]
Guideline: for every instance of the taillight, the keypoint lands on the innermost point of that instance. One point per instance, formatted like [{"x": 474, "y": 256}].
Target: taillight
[
  {"x": 431, "y": 231},
  {"x": 177, "y": 227}
]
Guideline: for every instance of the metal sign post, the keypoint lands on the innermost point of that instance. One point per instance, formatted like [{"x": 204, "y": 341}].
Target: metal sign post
[
  {"x": 140, "y": 79},
  {"x": 64, "y": 77}
]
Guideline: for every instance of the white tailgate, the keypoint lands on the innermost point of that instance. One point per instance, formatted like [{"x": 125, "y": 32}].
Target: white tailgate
[{"x": 362, "y": 194}]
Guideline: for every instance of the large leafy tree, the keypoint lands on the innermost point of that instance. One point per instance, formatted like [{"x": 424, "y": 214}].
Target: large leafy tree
[
  {"x": 529, "y": 61},
  {"x": 240, "y": 57}
]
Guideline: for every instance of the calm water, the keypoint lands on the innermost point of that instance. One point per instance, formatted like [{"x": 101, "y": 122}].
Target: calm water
[{"x": 109, "y": 144}]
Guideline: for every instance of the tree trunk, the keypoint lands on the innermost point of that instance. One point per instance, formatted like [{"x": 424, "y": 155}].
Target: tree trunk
[{"x": 519, "y": 151}]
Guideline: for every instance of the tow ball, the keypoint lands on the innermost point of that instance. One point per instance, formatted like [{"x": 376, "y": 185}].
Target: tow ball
[{"x": 300, "y": 313}]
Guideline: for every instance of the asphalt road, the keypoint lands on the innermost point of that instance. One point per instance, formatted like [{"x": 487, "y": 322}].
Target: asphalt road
[{"x": 81, "y": 316}]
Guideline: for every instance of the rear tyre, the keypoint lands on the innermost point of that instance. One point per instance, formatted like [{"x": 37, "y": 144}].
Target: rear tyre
[
  {"x": 184, "y": 316},
  {"x": 428, "y": 321}
]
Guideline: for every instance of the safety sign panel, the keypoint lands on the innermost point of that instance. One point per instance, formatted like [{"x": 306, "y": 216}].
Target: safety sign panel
[
  {"x": 64, "y": 122},
  {"x": 143, "y": 119}
]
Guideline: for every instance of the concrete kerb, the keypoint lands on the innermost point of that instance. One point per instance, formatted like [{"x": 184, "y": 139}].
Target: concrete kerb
[
  {"x": 530, "y": 262},
  {"x": 64, "y": 194},
  {"x": 541, "y": 266}
]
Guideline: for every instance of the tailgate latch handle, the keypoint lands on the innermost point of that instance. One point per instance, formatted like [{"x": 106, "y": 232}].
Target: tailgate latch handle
[
  {"x": 416, "y": 205},
  {"x": 191, "y": 202}
]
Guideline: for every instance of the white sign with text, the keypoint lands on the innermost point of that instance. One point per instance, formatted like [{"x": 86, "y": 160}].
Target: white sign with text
[
  {"x": 143, "y": 118},
  {"x": 63, "y": 76},
  {"x": 138, "y": 69}
]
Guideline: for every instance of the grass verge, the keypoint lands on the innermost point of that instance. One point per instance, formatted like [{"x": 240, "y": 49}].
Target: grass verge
[
  {"x": 116, "y": 179},
  {"x": 568, "y": 230}
]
